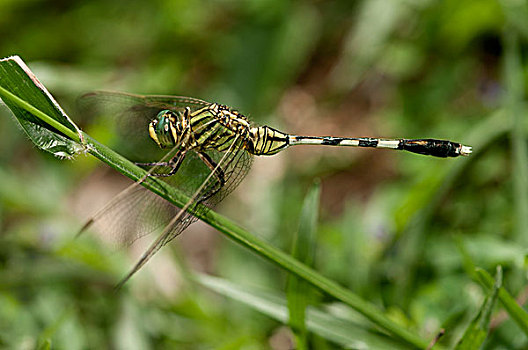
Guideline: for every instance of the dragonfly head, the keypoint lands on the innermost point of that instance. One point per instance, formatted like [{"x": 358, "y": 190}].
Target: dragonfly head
[{"x": 165, "y": 128}]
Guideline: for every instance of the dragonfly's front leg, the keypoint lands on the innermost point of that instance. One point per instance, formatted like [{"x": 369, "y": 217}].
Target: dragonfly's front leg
[
  {"x": 217, "y": 172},
  {"x": 174, "y": 164}
]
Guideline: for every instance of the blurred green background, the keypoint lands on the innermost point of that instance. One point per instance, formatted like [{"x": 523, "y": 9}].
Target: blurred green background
[{"x": 391, "y": 225}]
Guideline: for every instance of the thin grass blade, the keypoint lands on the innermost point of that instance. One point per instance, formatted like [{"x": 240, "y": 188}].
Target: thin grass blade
[
  {"x": 478, "y": 329},
  {"x": 298, "y": 291},
  {"x": 517, "y": 313},
  {"x": 330, "y": 327}
]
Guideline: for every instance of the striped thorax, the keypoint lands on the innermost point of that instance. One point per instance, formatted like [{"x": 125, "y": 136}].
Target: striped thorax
[
  {"x": 211, "y": 127},
  {"x": 216, "y": 127}
]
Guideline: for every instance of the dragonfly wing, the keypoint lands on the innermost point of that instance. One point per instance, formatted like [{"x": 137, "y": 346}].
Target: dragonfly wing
[
  {"x": 235, "y": 168},
  {"x": 175, "y": 102},
  {"x": 235, "y": 165},
  {"x": 159, "y": 102},
  {"x": 137, "y": 212},
  {"x": 134, "y": 213},
  {"x": 127, "y": 116}
]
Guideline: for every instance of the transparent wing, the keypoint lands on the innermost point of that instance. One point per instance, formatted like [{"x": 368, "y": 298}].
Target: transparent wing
[
  {"x": 134, "y": 213},
  {"x": 176, "y": 103},
  {"x": 126, "y": 118},
  {"x": 137, "y": 212},
  {"x": 234, "y": 166}
]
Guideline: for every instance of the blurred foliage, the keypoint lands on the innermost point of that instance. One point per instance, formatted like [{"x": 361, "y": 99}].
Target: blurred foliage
[{"x": 445, "y": 69}]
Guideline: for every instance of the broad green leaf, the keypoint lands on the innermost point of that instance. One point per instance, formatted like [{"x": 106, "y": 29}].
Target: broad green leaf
[
  {"x": 298, "y": 291},
  {"x": 56, "y": 134},
  {"x": 336, "y": 329},
  {"x": 477, "y": 331}
]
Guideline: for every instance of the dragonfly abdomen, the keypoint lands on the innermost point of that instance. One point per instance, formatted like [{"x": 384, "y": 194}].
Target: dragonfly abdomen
[
  {"x": 430, "y": 147},
  {"x": 266, "y": 141}
]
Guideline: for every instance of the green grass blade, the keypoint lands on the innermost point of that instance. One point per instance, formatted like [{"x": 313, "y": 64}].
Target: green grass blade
[
  {"x": 477, "y": 331},
  {"x": 514, "y": 79},
  {"x": 298, "y": 291},
  {"x": 217, "y": 221},
  {"x": 339, "y": 330},
  {"x": 517, "y": 313}
]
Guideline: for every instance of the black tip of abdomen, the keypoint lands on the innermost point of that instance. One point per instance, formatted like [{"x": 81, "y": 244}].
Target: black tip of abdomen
[{"x": 431, "y": 147}]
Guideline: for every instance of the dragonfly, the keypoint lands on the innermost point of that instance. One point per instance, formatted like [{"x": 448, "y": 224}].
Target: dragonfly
[{"x": 204, "y": 149}]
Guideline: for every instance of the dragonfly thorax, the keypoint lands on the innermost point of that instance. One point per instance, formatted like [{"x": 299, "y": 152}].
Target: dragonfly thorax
[{"x": 165, "y": 129}]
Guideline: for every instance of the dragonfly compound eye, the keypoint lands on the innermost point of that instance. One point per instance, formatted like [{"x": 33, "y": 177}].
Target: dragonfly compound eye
[{"x": 162, "y": 129}]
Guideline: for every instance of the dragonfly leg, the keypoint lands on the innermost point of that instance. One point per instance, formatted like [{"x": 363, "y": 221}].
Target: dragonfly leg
[
  {"x": 153, "y": 164},
  {"x": 217, "y": 172},
  {"x": 174, "y": 163}
]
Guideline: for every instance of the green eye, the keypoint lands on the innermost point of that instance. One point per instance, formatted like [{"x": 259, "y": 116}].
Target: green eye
[{"x": 162, "y": 129}]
